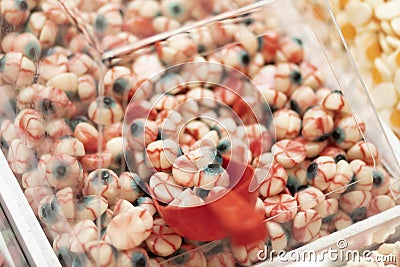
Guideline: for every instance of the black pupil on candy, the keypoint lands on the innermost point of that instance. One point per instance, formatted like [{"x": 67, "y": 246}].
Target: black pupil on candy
[
  {"x": 296, "y": 77},
  {"x": 245, "y": 58},
  {"x": 75, "y": 121},
  {"x": 181, "y": 259},
  {"x": 3, "y": 143},
  {"x": 23, "y": 5},
  {"x": 100, "y": 23},
  {"x": 61, "y": 170},
  {"x": 44, "y": 212},
  {"x": 328, "y": 219},
  {"x": 292, "y": 185},
  {"x": 338, "y": 92},
  {"x": 201, "y": 49},
  {"x": 378, "y": 178},
  {"x": 322, "y": 138},
  {"x": 312, "y": 170},
  {"x": 358, "y": 213},
  {"x": 119, "y": 86},
  {"x": 52, "y": 206},
  {"x": 297, "y": 40},
  {"x": 60, "y": 258},
  {"x": 32, "y": 53},
  {"x": 337, "y": 135},
  {"x": 248, "y": 21},
  {"x": 105, "y": 176},
  {"x": 223, "y": 147},
  {"x": 118, "y": 158},
  {"x": 138, "y": 260},
  {"x": 260, "y": 42},
  {"x": 213, "y": 166},
  {"x": 339, "y": 157},
  {"x": 302, "y": 187},
  {"x": 294, "y": 106},
  {"x": 159, "y": 134},
  {"x": 107, "y": 101},
  {"x": 215, "y": 250},
  {"x": 136, "y": 127},
  {"x": 176, "y": 9},
  {"x": 202, "y": 193},
  {"x": 47, "y": 106}
]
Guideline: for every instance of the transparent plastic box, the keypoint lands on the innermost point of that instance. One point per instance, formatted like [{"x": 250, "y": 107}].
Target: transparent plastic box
[{"x": 323, "y": 47}]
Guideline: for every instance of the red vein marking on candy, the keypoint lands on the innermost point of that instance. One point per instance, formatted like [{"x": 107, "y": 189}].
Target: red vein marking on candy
[
  {"x": 92, "y": 211},
  {"x": 278, "y": 237}
]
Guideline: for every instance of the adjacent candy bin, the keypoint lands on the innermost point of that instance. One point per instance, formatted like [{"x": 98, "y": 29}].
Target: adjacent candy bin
[{"x": 153, "y": 133}]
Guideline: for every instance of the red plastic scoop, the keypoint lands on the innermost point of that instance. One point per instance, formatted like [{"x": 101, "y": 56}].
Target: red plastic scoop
[{"x": 233, "y": 215}]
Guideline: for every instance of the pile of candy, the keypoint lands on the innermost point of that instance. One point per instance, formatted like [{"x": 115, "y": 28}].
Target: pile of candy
[
  {"x": 372, "y": 29},
  {"x": 63, "y": 134}
]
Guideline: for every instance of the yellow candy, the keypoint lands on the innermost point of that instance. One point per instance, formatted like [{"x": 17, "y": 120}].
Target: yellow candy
[
  {"x": 349, "y": 32},
  {"x": 395, "y": 119},
  {"x": 373, "y": 51},
  {"x": 376, "y": 76}
]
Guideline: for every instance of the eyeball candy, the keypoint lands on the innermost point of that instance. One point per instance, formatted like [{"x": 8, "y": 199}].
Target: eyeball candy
[
  {"x": 327, "y": 209},
  {"x": 164, "y": 187},
  {"x": 70, "y": 146},
  {"x": 20, "y": 158},
  {"x": 290, "y": 50},
  {"x": 355, "y": 203},
  {"x": 211, "y": 176},
  {"x": 313, "y": 149},
  {"x": 344, "y": 175},
  {"x": 82, "y": 233},
  {"x": 104, "y": 249},
  {"x": 364, "y": 151},
  {"x": 363, "y": 176},
  {"x": 62, "y": 171},
  {"x": 148, "y": 204},
  {"x": 162, "y": 154},
  {"x": 346, "y": 132},
  {"x": 309, "y": 197},
  {"x": 90, "y": 207},
  {"x": 321, "y": 172},
  {"x": 273, "y": 179},
  {"x": 287, "y": 124},
  {"x": 278, "y": 236},
  {"x": 130, "y": 189},
  {"x": 281, "y": 208},
  {"x": 127, "y": 230},
  {"x": 380, "y": 181},
  {"x": 336, "y": 102},
  {"x": 50, "y": 214},
  {"x": 102, "y": 182},
  {"x": 312, "y": 76},
  {"x": 163, "y": 241},
  {"x": 105, "y": 111},
  {"x": 289, "y": 153},
  {"x": 317, "y": 124},
  {"x": 379, "y": 204},
  {"x": 306, "y": 225},
  {"x": 342, "y": 220},
  {"x": 287, "y": 78}
]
